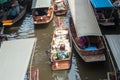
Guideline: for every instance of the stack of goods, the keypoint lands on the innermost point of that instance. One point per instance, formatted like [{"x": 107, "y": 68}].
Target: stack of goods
[{"x": 60, "y": 44}]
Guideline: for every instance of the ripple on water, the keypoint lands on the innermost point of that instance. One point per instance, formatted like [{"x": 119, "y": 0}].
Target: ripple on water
[{"x": 26, "y": 30}]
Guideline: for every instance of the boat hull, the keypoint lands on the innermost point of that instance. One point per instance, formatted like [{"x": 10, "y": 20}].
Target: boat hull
[
  {"x": 43, "y": 19},
  {"x": 65, "y": 63},
  {"x": 11, "y": 22},
  {"x": 88, "y": 55}
]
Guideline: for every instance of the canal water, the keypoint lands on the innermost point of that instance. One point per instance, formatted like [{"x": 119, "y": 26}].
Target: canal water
[{"x": 79, "y": 69}]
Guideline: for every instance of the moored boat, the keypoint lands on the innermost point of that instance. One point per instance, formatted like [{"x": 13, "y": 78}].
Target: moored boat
[
  {"x": 10, "y": 22},
  {"x": 42, "y": 11},
  {"x": 105, "y": 12},
  {"x": 61, "y": 45},
  {"x": 61, "y": 49},
  {"x": 60, "y": 7},
  {"x": 85, "y": 32}
]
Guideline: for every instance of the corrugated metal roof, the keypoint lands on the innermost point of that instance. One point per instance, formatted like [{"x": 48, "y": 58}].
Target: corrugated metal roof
[
  {"x": 114, "y": 43},
  {"x": 14, "y": 58},
  {"x": 101, "y": 3},
  {"x": 84, "y": 18},
  {"x": 41, "y": 3}
]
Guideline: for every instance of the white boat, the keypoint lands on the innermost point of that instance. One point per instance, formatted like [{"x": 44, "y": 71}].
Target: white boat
[
  {"x": 84, "y": 24},
  {"x": 42, "y": 11},
  {"x": 16, "y": 58}
]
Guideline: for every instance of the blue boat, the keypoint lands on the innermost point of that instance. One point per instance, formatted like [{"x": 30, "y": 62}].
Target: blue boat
[{"x": 105, "y": 12}]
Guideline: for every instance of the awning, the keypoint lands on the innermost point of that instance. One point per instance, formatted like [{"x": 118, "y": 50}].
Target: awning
[
  {"x": 3, "y": 1},
  {"x": 114, "y": 44},
  {"x": 41, "y": 3},
  {"x": 84, "y": 18},
  {"x": 14, "y": 58},
  {"x": 101, "y": 3}
]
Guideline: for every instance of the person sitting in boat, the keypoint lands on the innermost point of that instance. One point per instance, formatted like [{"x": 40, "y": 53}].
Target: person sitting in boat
[
  {"x": 42, "y": 12},
  {"x": 83, "y": 42},
  {"x": 12, "y": 13},
  {"x": 17, "y": 6},
  {"x": 35, "y": 14}
]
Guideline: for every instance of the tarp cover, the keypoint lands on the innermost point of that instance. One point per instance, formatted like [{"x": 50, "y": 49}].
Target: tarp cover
[
  {"x": 101, "y": 3},
  {"x": 41, "y": 3},
  {"x": 14, "y": 58},
  {"x": 114, "y": 43},
  {"x": 84, "y": 18}
]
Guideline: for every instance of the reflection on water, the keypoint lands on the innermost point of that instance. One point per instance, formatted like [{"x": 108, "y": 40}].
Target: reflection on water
[
  {"x": 60, "y": 75},
  {"x": 26, "y": 30},
  {"x": 74, "y": 73}
]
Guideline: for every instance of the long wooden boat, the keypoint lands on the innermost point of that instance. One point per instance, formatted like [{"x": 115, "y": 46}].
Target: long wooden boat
[
  {"x": 60, "y": 7},
  {"x": 42, "y": 11},
  {"x": 20, "y": 60},
  {"x": 61, "y": 49},
  {"x": 7, "y": 22},
  {"x": 105, "y": 12},
  {"x": 33, "y": 75},
  {"x": 61, "y": 45},
  {"x": 85, "y": 32}
]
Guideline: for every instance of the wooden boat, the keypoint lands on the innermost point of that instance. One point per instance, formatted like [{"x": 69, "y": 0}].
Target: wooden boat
[
  {"x": 20, "y": 60},
  {"x": 42, "y": 11},
  {"x": 111, "y": 76},
  {"x": 61, "y": 49},
  {"x": 84, "y": 25},
  {"x": 34, "y": 74},
  {"x": 7, "y": 22},
  {"x": 60, "y": 7},
  {"x": 105, "y": 12}
]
